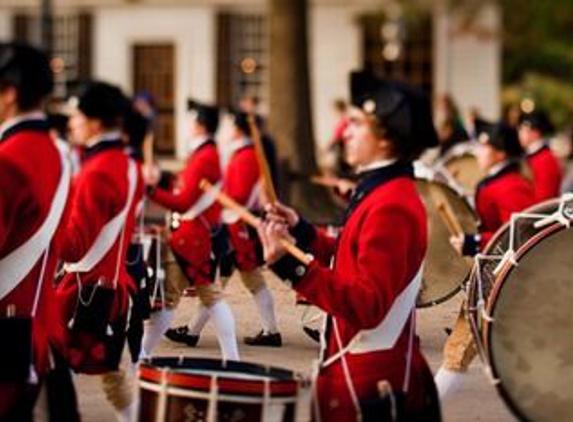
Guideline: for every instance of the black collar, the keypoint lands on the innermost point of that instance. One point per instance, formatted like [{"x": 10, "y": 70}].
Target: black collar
[
  {"x": 103, "y": 146},
  {"x": 511, "y": 167},
  {"x": 35, "y": 125},
  {"x": 370, "y": 180}
]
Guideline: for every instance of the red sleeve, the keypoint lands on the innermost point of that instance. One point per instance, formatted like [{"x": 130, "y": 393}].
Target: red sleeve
[
  {"x": 94, "y": 203},
  {"x": 186, "y": 194},
  {"x": 365, "y": 299},
  {"x": 242, "y": 175},
  {"x": 323, "y": 247}
]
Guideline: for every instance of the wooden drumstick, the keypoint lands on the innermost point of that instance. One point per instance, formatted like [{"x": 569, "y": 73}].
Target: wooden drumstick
[
  {"x": 253, "y": 221},
  {"x": 449, "y": 219},
  {"x": 267, "y": 179}
]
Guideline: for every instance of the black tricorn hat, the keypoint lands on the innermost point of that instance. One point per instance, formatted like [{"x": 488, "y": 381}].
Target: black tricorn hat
[
  {"x": 503, "y": 137},
  {"x": 402, "y": 110},
  {"x": 207, "y": 115},
  {"x": 539, "y": 120},
  {"x": 241, "y": 121},
  {"x": 103, "y": 101},
  {"x": 28, "y": 70}
]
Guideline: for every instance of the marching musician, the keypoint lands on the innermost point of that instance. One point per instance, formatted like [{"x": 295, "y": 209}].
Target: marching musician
[
  {"x": 192, "y": 232},
  {"x": 93, "y": 296},
  {"x": 371, "y": 358},
  {"x": 34, "y": 186},
  {"x": 534, "y": 128},
  {"x": 242, "y": 183},
  {"x": 504, "y": 191}
]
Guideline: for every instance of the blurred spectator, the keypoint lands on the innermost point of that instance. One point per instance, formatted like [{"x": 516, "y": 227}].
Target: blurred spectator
[
  {"x": 337, "y": 142},
  {"x": 448, "y": 123}
]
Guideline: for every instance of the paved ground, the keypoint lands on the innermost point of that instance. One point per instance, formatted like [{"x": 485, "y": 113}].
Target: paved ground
[{"x": 476, "y": 401}]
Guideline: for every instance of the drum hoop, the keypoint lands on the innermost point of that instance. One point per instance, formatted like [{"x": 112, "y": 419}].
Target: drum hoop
[
  {"x": 202, "y": 382},
  {"x": 173, "y": 391},
  {"x": 486, "y": 252},
  {"x": 496, "y": 290},
  {"x": 473, "y": 212}
]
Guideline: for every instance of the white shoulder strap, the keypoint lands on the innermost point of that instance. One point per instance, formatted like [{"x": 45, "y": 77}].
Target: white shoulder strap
[
  {"x": 203, "y": 203},
  {"x": 385, "y": 335},
  {"x": 229, "y": 216},
  {"x": 17, "y": 265},
  {"x": 109, "y": 233}
]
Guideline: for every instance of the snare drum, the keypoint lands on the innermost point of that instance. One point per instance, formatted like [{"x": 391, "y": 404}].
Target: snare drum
[
  {"x": 177, "y": 389},
  {"x": 444, "y": 269}
]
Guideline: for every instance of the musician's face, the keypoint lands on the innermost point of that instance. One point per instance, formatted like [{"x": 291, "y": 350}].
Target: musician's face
[
  {"x": 8, "y": 103},
  {"x": 488, "y": 156},
  {"x": 82, "y": 128},
  {"x": 362, "y": 146}
]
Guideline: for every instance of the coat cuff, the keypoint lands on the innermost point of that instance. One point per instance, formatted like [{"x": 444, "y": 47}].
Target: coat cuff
[
  {"x": 304, "y": 233},
  {"x": 290, "y": 269},
  {"x": 471, "y": 244}
]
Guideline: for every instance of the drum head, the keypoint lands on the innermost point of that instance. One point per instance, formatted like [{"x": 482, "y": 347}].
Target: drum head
[
  {"x": 530, "y": 342},
  {"x": 444, "y": 269},
  {"x": 465, "y": 170}
]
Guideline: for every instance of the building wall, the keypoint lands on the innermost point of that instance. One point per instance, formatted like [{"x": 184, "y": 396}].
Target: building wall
[
  {"x": 468, "y": 64},
  {"x": 191, "y": 30},
  {"x": 334, "y": 37},
  {"x": 5, "y": 24}
]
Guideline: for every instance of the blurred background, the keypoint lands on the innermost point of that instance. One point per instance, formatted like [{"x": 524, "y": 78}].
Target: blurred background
[{"x": 294, "y": 57}]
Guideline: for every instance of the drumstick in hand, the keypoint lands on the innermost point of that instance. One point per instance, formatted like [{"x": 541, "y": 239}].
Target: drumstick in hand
[{"x": 253, "y": 221}]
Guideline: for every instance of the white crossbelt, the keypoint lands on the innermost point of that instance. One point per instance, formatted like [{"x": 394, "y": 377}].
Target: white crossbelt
[
  {"x": 17, "y": 265},
  {"x": 109, "y": 233},
  {"x": 385, "y": 335},
  {"x": 203, "y": 203}
]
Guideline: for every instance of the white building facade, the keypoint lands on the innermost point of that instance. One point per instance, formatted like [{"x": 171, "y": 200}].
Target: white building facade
[{"x": 193, "y": 48}]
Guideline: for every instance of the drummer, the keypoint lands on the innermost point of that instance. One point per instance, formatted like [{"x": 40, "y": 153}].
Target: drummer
[
  {"x": 376, "y": 271},
  {"x": 191, "y": 236},
  {"x": 533, "y": 131},
  {"x": 503, "y": 192}
]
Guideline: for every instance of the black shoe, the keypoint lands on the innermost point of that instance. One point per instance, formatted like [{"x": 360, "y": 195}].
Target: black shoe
[
  {"x": 312, "y": 333},
  {"x": 181, "y": 335},
  {"x": 265, "y": 339}
]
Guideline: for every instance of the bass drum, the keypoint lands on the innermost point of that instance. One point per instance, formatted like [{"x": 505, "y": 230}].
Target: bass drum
[
  {"x": 483, "y": 274},
  {"x": 444, "y": 270},
  {"x": 528, "y": 342}
]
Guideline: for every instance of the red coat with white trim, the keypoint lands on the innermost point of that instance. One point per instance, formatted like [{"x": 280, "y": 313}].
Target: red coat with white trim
[
  {"x": 191, "y": 240},
  {"x": 499, "y": 196},
  {"x": 546, "y": 174},
  {"x": 100, "y": 192},
  {"x": 30, "y": 170},
  {"x": 380, "y": 250},
  {"x": 241, "y": 181}
]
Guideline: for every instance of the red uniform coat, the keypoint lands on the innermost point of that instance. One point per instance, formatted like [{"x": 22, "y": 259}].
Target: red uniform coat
[
  {"x": 30, "y": 170},
  {"x": 241, "y": 183},
  {"x": 500, "y": 195},
  {"x": 191, "y": 241},
  {"x": 379, "y": 252},
  {"x": 100, "y": 192},
  {"x": 546, "y": 174}
]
